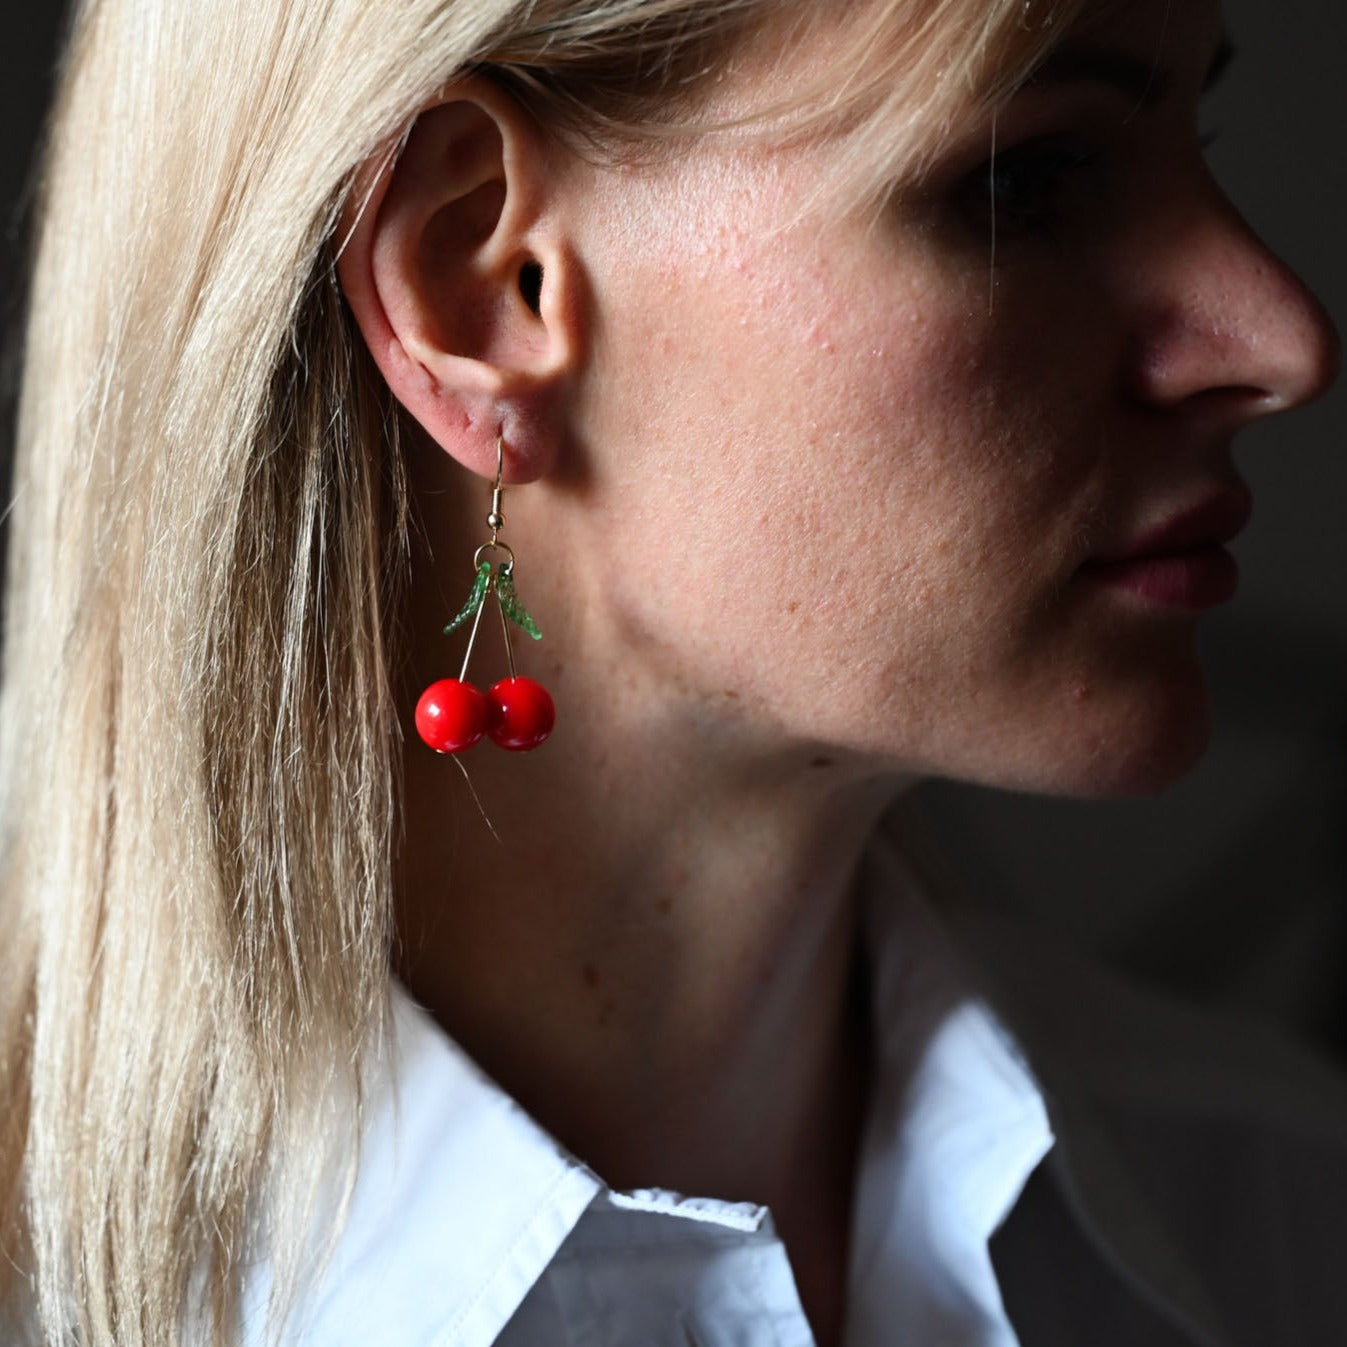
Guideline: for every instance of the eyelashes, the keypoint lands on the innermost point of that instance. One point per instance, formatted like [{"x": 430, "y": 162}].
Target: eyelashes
[
  {"x": 1048, "y": 184},
  {"x": 1026, "y": 188}
]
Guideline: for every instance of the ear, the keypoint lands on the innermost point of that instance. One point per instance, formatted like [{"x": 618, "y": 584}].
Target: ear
[{"x": 461, "y": 280}]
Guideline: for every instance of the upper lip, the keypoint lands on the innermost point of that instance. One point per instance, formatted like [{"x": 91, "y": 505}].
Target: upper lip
[{"x": 1211, "y": 522}]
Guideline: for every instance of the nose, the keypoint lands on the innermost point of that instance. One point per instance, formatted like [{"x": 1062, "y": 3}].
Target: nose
[{"x": 1227, "y": 318}]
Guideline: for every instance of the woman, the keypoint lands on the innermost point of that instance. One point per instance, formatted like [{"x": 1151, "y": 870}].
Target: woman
[{"x": 860, "y": 382}]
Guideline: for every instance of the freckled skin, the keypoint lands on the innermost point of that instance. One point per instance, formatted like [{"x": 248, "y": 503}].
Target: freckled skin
[{"x": 860, "y": 471}]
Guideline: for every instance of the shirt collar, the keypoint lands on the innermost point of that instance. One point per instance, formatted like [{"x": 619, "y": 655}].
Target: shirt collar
[
  {"x": 957, "y": 1126},
  {"x": 462, "y": 1200}
]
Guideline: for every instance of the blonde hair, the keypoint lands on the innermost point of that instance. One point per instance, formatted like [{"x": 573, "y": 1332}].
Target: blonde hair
[{"x": 198, "y": 752}]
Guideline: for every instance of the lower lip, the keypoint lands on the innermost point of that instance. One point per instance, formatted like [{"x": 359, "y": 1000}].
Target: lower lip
[{"x": 1187, "y": 581}]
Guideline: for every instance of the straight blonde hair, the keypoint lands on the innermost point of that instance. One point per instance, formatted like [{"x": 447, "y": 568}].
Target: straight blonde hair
[{"x": 198, "y": 743}]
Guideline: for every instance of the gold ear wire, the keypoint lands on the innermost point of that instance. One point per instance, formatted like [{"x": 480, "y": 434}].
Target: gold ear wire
[{"x": 495, "y": 521}]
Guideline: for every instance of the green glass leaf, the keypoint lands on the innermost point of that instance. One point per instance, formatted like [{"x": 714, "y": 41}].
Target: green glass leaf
[
  {"x": 512, "y": 608},
  {"x": 479, "y": 588}
]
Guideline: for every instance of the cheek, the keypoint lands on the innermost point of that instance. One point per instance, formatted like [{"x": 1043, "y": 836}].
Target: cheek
[
  {"x": 960, "y": 490},
  {"x": 856, "y": 498},
  {"x": 956, "y": 484}
]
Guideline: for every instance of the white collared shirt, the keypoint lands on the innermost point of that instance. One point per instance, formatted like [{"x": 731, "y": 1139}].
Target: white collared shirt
[
  {"x": 1189, "y": 1191},
  {"x": 470, "y": 1226}
]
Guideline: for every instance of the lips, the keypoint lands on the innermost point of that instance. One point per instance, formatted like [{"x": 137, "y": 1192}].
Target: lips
[{"x": 1182, "y": 562}]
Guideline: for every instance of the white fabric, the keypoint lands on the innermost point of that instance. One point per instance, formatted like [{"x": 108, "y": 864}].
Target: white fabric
[
  {"x": 460, "y": 1202},
  {"x": 1189, "y": 1191},
  {"x": 950, "y": 1158},
  {"x": 1197, "y": 1193},
  {"x": 470, "y": 1226}
]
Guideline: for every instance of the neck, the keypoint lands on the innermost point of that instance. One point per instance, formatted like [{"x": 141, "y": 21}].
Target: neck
[
  {"x": 671, "y": 938},
  {"x": 651, "y": 945}
]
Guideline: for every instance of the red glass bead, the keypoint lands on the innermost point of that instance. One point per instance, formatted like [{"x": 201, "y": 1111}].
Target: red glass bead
[
  {"x": 522, "y": 714},
  {"x": 452, "y": 715}
]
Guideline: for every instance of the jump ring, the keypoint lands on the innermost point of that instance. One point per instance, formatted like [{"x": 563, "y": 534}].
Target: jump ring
[{"x": 508, "y": 565}]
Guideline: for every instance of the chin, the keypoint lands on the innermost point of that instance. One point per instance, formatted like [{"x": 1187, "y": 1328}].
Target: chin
[
  {"x": 1140, "y": 747},
  {"x": 1139, "y": 775},
  {"x": 1105, "y": 738}
]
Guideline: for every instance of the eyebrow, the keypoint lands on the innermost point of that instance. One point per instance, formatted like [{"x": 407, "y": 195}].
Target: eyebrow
[{"x": 1143, "y": 81}]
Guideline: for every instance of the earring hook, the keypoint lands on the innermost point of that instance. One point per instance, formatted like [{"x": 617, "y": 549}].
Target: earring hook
[{"x": 495, "y": 521}]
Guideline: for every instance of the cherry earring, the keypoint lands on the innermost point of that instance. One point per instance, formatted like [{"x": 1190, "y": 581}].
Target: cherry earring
[{"x": 517, "y": 713}]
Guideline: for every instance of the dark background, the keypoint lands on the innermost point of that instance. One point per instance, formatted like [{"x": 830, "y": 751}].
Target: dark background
[{"x": 1234, "y": 885}]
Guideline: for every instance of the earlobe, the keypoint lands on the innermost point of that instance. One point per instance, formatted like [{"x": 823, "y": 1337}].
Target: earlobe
[{"x": 461, "y": 280}]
